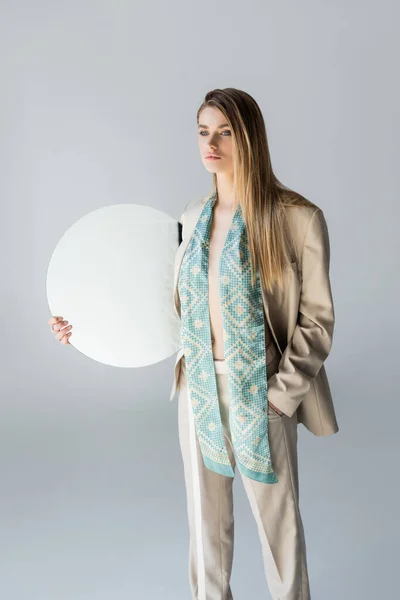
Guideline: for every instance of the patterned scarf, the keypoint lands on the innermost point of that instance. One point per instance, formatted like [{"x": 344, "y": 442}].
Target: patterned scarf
[{"x": 244, "y": 350}]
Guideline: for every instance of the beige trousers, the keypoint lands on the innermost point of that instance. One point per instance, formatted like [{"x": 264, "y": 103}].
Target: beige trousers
[{"x": 210, "y": 507}]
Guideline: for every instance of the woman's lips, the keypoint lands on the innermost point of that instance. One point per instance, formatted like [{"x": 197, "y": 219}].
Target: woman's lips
[{"x": 213, "y": 157}]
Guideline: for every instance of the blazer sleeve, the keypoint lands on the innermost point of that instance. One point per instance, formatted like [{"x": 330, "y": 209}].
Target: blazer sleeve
[{"x": 313, "y": 334}]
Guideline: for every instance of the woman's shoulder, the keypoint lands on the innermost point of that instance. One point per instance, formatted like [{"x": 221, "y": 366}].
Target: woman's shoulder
[
  {"x": 299, "y": 211},
  {"x": 193, "y": 202},
  {"x": 297, "y": 203},
  {"x": 297, "y": 208},
  {"x": 305, "y": 219}
]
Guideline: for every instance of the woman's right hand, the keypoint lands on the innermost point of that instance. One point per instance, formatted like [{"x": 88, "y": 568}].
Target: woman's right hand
[{"x": 58, "y": 326}]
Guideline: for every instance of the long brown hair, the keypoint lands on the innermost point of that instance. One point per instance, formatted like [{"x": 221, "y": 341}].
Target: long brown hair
[{"x": 263, "y": 197}]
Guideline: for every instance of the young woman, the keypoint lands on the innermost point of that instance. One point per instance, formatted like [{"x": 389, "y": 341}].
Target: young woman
[
  {"x": 252, "y": 289},
  {"x": 253, "y": 293}
]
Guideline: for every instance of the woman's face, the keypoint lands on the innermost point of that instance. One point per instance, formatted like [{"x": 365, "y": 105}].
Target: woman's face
[{"x": 215, "y": 137}]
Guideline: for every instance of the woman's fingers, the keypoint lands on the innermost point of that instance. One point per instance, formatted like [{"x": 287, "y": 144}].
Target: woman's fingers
[
  {"x": 61, "y": 328},
  {"x": 64, "y": 334},
  {"x": 53, "y": 319}
]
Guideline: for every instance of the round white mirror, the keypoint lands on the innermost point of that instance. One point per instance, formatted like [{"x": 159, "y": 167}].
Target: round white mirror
[{"x": 111, "y": 277}]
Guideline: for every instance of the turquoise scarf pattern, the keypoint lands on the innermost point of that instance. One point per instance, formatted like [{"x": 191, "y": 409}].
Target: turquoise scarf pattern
[{"x": 244, "y": 350}]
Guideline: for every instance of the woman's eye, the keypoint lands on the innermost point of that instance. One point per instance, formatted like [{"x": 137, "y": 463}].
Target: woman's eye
[{"x": 225, "y": 131}]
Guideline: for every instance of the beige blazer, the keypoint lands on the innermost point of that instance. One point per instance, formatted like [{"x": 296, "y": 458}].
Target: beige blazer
[{"x": 301, "y": 318}]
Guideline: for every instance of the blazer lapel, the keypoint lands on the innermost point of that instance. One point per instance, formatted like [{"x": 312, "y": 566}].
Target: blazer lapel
[{"x": 191, "y": 217}]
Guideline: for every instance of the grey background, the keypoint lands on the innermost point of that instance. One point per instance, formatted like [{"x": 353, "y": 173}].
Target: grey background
[{"x": 98, "y": 106}]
